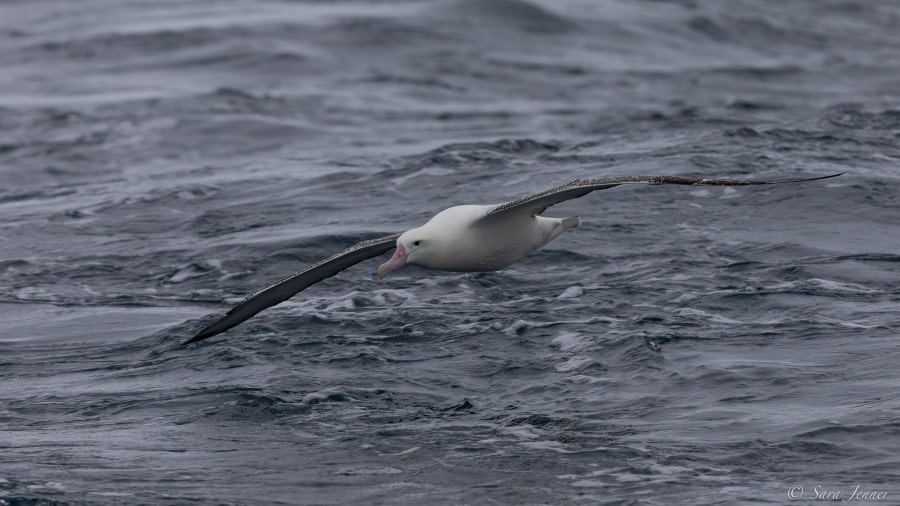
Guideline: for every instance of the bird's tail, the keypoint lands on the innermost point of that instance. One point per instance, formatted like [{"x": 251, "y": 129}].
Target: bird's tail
[{"x": 571, "y": 222}]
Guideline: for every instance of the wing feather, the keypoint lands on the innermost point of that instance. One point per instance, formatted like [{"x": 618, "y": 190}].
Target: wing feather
[
  {"x": 288, "y": 287},
  {"x": 539, "y": 202}
]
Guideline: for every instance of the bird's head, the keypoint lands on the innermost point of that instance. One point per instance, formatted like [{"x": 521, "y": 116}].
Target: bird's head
[{"x": 413, "y": 247}]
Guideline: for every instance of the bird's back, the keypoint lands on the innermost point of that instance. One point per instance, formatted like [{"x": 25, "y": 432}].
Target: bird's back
[{"x": 471, "y": 244}]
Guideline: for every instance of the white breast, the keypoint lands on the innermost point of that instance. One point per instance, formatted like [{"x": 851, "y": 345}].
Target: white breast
[{"x": 464, "y": 242}]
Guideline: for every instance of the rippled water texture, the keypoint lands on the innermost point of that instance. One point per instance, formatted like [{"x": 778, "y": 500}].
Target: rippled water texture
[{"x": 162, "y": 159}]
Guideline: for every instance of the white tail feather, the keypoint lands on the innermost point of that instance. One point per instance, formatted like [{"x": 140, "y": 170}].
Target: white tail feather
[{"x": 571, "y": 222}]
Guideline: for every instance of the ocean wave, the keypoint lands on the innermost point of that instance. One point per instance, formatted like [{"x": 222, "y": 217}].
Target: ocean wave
[{"x": 161, "y": 161}]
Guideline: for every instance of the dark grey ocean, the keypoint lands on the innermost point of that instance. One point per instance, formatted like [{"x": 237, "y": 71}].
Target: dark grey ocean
[{"x": 159, "y": 160}]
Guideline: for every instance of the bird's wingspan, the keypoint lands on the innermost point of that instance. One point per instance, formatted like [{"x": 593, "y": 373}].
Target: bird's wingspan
[
  {"x": 286, "y": 288},
  {"x": 539, "y": 202}
]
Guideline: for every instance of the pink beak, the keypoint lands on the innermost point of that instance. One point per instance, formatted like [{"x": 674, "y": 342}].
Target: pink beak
[{"x": 398, "y": 261}]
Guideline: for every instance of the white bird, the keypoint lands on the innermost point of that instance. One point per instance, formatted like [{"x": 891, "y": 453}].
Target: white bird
[{"x": 468, "y": 238}]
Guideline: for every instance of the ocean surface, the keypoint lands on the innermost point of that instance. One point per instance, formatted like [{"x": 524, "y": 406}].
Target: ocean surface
[{"x": 159, "y": 160}]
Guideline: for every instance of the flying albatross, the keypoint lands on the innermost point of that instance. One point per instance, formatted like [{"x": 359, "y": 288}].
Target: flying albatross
[{"x": 467, "y": 238}]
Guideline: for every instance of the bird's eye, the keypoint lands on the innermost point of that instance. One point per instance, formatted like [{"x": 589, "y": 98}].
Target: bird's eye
[{"x": 416, "y": 243}]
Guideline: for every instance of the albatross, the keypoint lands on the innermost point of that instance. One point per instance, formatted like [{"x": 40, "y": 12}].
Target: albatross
[{"x": 466, "y": 238}]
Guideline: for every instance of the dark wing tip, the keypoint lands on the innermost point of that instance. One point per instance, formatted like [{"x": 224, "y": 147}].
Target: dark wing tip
[
  {"x": 823, "y": 177},
  {"x": 745, "y": 182},
  {"x": 803, "y": 180},
  {"x": 203, "y": 334},
  {"x": 826, "y": 177}
]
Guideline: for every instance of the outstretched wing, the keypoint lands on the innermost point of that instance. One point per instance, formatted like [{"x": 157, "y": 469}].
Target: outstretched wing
[
  {"x": 286, "y": 288},
  {"x": 538, "y": 203}
]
